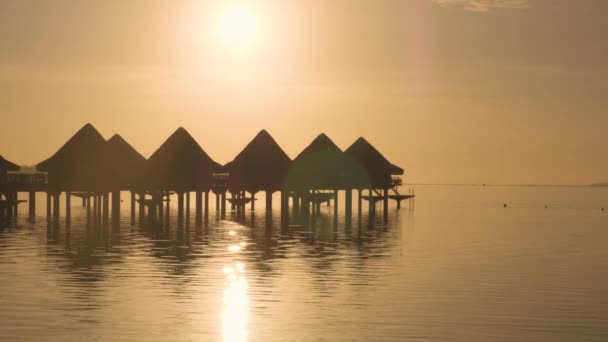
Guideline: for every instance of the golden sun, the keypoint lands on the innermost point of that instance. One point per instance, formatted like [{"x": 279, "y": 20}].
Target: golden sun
[{"x": 237, "y": 26}]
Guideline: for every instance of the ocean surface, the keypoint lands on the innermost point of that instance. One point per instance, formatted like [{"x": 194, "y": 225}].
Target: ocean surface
[{"x": 455, "y": 265}]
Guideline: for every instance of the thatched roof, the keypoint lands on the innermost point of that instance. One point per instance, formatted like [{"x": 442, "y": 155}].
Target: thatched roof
[
  {"x": 80, "y": 164},
  {"x": 261, "y": 165},
  {"x": 321, "y": 165},
  {"x": 128, "y": 164},
  {"x": 181, "y": 164},
  {"x": 378, "y": 168},
  {"x": 6, "y": 165}
]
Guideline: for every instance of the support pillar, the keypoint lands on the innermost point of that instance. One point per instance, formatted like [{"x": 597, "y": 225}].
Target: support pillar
[
  {"x": 48, "y": 208},
  {"x": 188, "y": 209},
  {"x": 88, "y": 208},
  {"x": 167, "y": 210},
  {"x": 223, "y": 204},
  {"x": 132, "y": 208},
  {"x": 32, "y": 205},
  {"x": 56, "y": 197},
  {"x": 284, "y": 209},
  {"x": 180, "y": 210},
  {"x": 372, "y": 204},
  {"x": 336, "y": 198},
  {"x": 217, "y": 202},
  {"x": 348, "y": 205},
  {"x": 253, "y": 201},
  {"x": 142, "y": 207},
  {"x": 206, "y": 206},
  {"x": 385, "y": 204},
  {"x": 68, "y": 209},
  {"x": 160, "y": 202},
  {"x": 268, "y": 200},
  {"x": 198, "y": 199},
  {"x": 106, "y": 209},
  {"x": 360, "y": 204},
  {"x": 116, "y": 209}
]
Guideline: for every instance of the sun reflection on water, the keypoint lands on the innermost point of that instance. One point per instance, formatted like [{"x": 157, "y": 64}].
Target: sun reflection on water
[
  {"x": 235, "y": 301},
  {"x": 235, "y": 312}
]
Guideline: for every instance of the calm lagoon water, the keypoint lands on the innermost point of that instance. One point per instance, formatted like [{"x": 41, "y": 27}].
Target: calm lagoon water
[{"x": 457, "y": 267}]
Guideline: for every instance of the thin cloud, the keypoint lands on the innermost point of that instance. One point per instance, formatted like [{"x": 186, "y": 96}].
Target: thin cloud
[{"x": 485, "y": 5}]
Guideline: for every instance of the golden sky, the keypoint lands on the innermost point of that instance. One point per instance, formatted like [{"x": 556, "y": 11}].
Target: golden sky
[{"x": 455, "y": 91}]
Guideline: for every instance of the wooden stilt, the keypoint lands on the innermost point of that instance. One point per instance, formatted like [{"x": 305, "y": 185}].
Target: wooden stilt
[
  {"x": 198, "y": 199},
  {"x": 161, "y": 208},
  {"x": 142, "y": 207},
  {"x": 348, "y": 206},
  {"x": 187, "y": 209},
  {"x": 48, "y": 207},
  {"x": 336, "y": 204},
  {"x": 385, "y": 205},
  {"x": 268, "y": 200},
  {"x": 68, "y": 209},
  {"x": 116, "y": 210},
  {"x": 217, "y": 202},
  {"x": 167, "y": 210},
  {"x": 32, "y": 205},
  {"x": 132, "y": 208},
  {"x": 180, "y": 210},
  {"x": 106, "y": 209},
  {"x": 206, "y": 206},
  {"x": 253, "y": 200},
  {"x": 56, "y": 205},
  {"x": 223, "y": 204}
]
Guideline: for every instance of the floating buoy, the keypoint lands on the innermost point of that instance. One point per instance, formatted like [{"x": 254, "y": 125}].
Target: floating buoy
[{"x": 505, "y": 205}]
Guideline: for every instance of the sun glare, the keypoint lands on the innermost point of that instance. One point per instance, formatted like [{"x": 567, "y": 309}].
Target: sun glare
[{"x": 237, "y": 26}]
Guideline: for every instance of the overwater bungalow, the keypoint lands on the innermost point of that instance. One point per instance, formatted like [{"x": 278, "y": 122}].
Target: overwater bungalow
[
  {"x": 180, "y": 164},
  {"x": 261, "y": 166},
  {"x": 322, "y": 165},
  {"x": 379, "y": 171},
  {"x": 81, "y": 164}
]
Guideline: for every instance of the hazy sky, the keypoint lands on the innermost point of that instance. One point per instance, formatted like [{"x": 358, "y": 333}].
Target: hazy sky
[{"x": 494, "y": 91}]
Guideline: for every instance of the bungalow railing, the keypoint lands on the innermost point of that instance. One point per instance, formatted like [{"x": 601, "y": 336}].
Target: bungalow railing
[
  {"x": 396, "y": 181},
  {"x": 26, "y": 179},
  {"x": 220, "y": 180}
]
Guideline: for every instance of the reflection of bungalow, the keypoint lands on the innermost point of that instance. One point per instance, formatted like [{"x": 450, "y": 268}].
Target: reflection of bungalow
[
  {"x": 6, "y": 166},
  {"x": 378, "y": 170},
  {"x": 129, "y": 164},
  {"x": 261, "y": 166},
  {"x": 322, "y": 166},
  {"x": 81, "y": 164},
  {"x": 180, "y": 164}
]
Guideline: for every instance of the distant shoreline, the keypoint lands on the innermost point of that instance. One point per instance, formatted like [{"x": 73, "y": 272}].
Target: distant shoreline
[{"x": 515, "y": 185}]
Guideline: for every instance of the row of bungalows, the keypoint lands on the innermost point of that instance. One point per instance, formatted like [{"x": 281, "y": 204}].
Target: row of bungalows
[{"x": 89, "y": 163}]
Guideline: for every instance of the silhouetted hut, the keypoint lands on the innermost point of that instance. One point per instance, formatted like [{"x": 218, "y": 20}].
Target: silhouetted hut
[
  {"x": 6, "y": 166},
  {"x": 261, "y": 165},
  {"x": 321, "y": 166},
  {"x": 128, "y": 164},
  {"x": 180, "y": 164},
  {"x": 378, "y": 170},
  {"x": 80, "y": 164}
]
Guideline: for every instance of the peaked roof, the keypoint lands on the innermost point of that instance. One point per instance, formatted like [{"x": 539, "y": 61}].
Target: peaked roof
[
  {"x": 371, "y": 158},
  {"x": 321, "y": 165},
  {"x": 81, "y": 163},
  {"x": 121, "y": 150},
  {"x": 82, "y": 145},
  {"x": 261, "y": 165},
  {"x": 180, "y": 162},
  {"x": 127, "y": 163},
  {"x": 322, "y": 143},
  {"x": 6, "y": 165}
]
